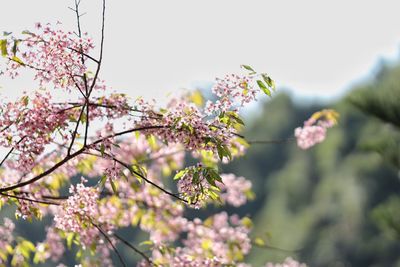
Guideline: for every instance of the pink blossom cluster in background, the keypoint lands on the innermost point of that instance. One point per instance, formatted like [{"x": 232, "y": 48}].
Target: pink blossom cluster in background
[
  {"x": 289, "y": 262},
  {"x": 76, "y": 213},
  {"x": 220, "y": 240},
  {"x": 6, "y": 233},
  {"x": 315, "y": 129},
  {"x": 234, "y": 190}
]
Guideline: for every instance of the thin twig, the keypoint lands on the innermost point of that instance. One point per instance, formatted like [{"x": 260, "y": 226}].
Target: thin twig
[
  {"x": 83, "y": 54},
  {"x": 277, "y": 141},
  {"x": 75, "y": 131},
  {"x": 144, "y": 128},
  {"x": 135, "y": 173},
  {"x": 11, "y": 150},
  {"x": 43, "y": 174},
  {"x": 135, "y": 249},
  {"x": 276, "y": 248},
  {"x": 101, "y": 48},
  {"x": 73, "y": 155},
  {"x": 111, "y": 243},
  {"x": 30, "y": 199}
]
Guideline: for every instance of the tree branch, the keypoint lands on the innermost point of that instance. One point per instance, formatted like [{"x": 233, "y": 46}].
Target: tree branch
[
  {"x": 111, "y": 243},
  {"x": 135, "y": 173},
  {"x": 135, "y": 249},
  {"x": 31, "y": 199},
  {"x": 71, "y": 156},
  {"x": 11, "y": 150},
  {"x": 75, "y": 131}
]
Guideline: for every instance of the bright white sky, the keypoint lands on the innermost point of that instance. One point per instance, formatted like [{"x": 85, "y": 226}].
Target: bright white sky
[{"x": 319, "y": 48}]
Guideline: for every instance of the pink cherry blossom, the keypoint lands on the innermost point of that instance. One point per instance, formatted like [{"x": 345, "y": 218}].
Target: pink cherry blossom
[{"x": 289, "y": 262}]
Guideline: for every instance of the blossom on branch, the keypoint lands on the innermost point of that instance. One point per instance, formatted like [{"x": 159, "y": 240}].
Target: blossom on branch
[{"x": 315, "y": 128}]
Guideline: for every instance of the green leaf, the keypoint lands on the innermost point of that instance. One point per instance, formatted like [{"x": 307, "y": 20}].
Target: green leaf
[
  {"x": 246, "y": 221},
  {"x": 102, "y": 149},
  {"x": 269, "y": 81},
  {"x": 102, "y": 181},
  {"x": 70, "y": 238},
  {"x": 3, "y": 47},
  {"x": 236, "y": 117},
  {"x": 28, "y": 245},
  {"x": 220, "y": 152},
  {"x": 146, "y": 243},
  {"x": 25, "y": 100},
  {"x": 214, "y": 174},
  {"x": 27, "y": 32},
  {"x": 210, "y": 180},
  {"x": 14, "y": 49},
  {"x": 139, "y": 172},
  {"x": 247, "y": 67},
  {"x": 6, "y": 33},
  {"x": 259, "y": 242},
  {"x": 151, "y": 139},
  {"x": 196, "y": 177},
  {"x": 264, "y": 88},
  {"x": 18, "y": 60},
  {"x": 179, "y": 174},
  {"x": 114, "y": 187}
]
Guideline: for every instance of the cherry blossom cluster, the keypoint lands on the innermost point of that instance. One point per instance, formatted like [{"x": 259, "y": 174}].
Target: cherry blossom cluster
[
  {"x": 234, "y": 190},
  {"x": 185, "y": 123},
  {"x": 56, "y": 55},
  {"x": 315, "y": 129},
  {"x": 6, "y": 235},
  {"x": 51, "y": 248},
  {"x": 28, "y": 125},
  {"x": 226, "y": 236},
  {"x": 289, "y": 262},
  {"x": 212, "y": 127},
  {"x": 110, "y": 107},
  {"x": 219, "y": 241},
  {"x": 78, "y": 210},
  {"x": 182, "y": 123},
  {"x": 232, "y": 90}
]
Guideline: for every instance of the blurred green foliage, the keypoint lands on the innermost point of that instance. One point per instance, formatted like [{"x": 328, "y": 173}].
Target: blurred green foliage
[{"x": 338, "y": 203}]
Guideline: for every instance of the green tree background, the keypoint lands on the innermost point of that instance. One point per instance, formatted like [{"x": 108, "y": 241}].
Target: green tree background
[{"x": 338, "y": 203}]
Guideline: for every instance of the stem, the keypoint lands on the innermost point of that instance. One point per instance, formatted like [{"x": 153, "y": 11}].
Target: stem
[
  {"x": 135, "y": 173},
  {"x": 43, "y": 174},
  {"x": 135, "y": 249},
  {"x": 11, "y": 150},
  {"x": 111, "y": 243},
  {"x": 71, "y": 156},
  {"x": 101, "y": 48},
  {"x": 31, "y": 199},
  {"x": 83, "y": 54},
  {"x": 276, "y": 248},
  {"x": 127, "y": 131},
  {"x": 76, "y": 130},
  {"x": 277, "y": 141}
]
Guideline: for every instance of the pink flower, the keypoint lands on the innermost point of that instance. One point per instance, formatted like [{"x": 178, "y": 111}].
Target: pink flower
[
  {"x": 76, "y": 213},
  {"x": 289, "y": 262},
  {"x": 308, "y": 136},
  {"x": 315, "y": 128},
  {"x": 234, "y": 189}
]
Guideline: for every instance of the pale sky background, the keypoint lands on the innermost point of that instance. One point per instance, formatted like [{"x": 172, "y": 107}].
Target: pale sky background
[{"x": 317, "y": 48}]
